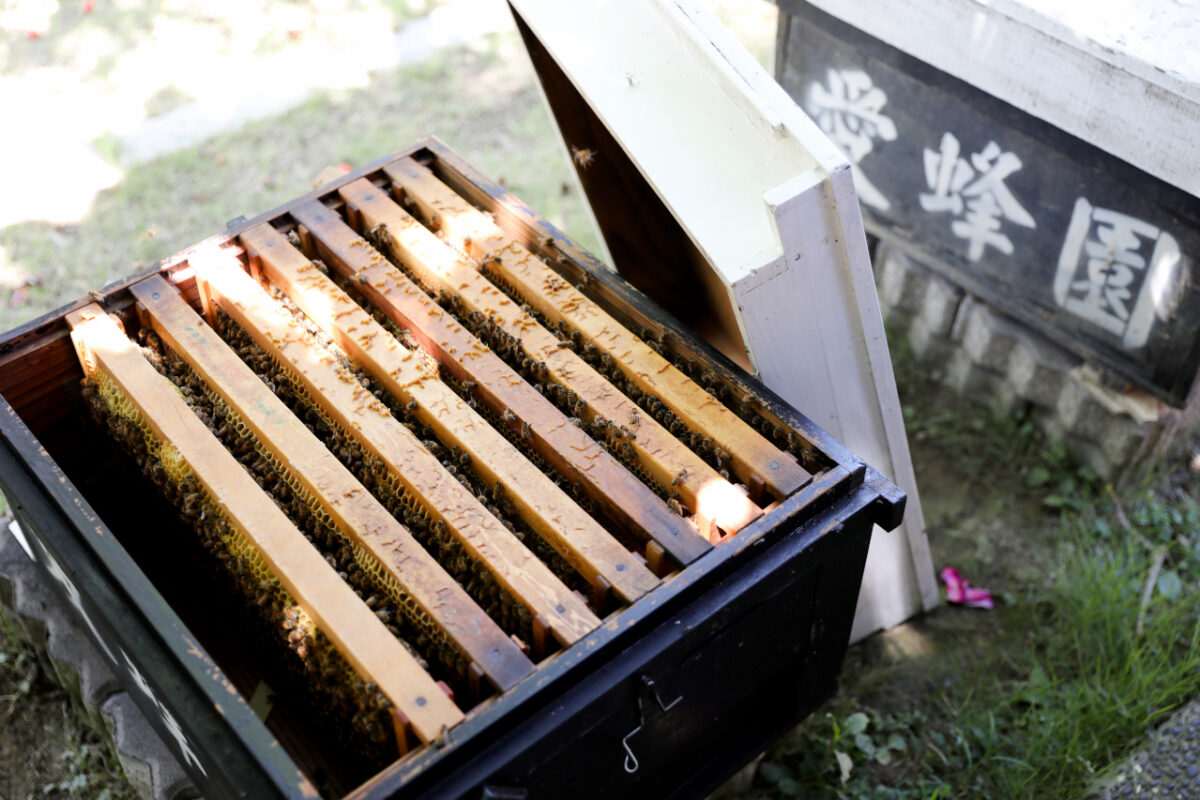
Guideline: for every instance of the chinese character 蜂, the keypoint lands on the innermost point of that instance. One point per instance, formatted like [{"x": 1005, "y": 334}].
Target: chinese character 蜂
[
  {"x": 974, "y": 190},
  {"x": 1116, "y": 272},
  {"x": 849, "y": 113}
]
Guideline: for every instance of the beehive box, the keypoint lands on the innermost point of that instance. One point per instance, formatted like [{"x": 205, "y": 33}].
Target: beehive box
[{"x": 470, "y": 511}]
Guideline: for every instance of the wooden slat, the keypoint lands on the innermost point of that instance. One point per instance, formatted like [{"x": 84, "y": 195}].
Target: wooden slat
[
  {"x": 355, "y": 512},
  {"x": 479, "y": 237},
  {"x": 551, "y": 513},
  {"x": 351, "y": 406},
  {"x": 352, "y": 628},
  {"x": 568, "y": 449},
  {"x": 666, "y": 459}
]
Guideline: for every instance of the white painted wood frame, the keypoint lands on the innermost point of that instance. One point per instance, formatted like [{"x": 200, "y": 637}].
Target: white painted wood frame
[{"x": 770, "y": 205}]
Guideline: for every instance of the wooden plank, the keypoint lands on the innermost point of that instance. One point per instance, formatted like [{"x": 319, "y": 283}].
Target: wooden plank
[
  {"x": 355, "y": 512},
  {"x": 547, "y": 508},
  {"x": 353, "y": 629},
  {"x": 568, "y": 449},
  {"x": 351, "y": 406},
  {"x": 545, "y": 290},
  {"x": 669, "y": 463}
]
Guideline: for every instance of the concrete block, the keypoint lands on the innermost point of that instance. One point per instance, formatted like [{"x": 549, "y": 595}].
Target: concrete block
[
  {"x": 928, "y": 345},
  {"x": 1122, "y": 441},
  {"x": 81, "y": 668},
  {"x": 1087, "y": 453},
  {"x": 901, "y": 284},
  {"x": 68, "y": 654},
  {"x": 970, "y": 379},
  {"x": 1038, "y": 370},
  {"x": 150, "y": 767},
  {"x": 987, "y": 336},
  {"x": 1116, "y": 436},
  {"x": 1047, "y": 420},
  {"x": 939, "y": 305},
  {"x": 1006, "y": 401}
]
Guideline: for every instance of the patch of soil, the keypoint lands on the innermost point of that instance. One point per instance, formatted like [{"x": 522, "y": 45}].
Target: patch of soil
[{"x": 45, "y": 749}]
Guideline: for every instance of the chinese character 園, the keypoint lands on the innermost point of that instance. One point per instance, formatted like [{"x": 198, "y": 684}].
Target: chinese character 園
[{"x": 1116, "y": 271}]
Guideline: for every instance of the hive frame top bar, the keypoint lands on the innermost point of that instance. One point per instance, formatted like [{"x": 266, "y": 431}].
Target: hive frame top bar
[{"x": 453, "y": 168}]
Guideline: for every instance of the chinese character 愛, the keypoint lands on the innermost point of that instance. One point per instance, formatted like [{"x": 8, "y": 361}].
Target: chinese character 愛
[
  {"x": 1115, "y": 271},
  {"x": 975, "y": 191},
  {"x": 849, "y": 113}
]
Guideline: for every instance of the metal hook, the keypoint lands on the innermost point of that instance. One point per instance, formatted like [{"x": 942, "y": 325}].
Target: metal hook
[{"x": 629, "y": 756}]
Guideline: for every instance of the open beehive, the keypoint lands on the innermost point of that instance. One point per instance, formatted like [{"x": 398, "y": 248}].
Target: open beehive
[{"x": 461, "y": 499}]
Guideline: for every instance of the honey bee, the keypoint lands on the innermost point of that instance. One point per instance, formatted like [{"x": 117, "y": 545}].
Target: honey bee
[{"x": 583, "y": 156}]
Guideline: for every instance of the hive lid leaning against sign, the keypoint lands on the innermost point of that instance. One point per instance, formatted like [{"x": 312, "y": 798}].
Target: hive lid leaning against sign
[{"x": 719, "y": 198}]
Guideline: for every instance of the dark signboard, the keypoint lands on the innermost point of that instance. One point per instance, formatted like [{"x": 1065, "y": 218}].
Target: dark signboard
[{"x": 1078, "y": 244}]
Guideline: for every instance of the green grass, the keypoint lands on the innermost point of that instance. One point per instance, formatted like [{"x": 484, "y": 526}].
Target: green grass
[
  {"x": 480, "y": 100},
  {"x": 1041, "y": 696}
]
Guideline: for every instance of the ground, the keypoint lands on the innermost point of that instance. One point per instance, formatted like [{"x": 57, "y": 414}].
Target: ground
[
  {"x": 1089, "y": 647},
  {"x": 46, "y": 749}
]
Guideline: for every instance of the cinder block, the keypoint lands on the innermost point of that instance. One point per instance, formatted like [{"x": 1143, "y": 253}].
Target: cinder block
[
  {"x": 1122, "y": 440},
  {"x": 939, "y": 306},
  {"x": 12, "y": 557},
  {"x": 1038, "y": 370},
  {"x": 987, "y": 336},
  {"x": 1090, "y": 454},
  {"x": 150, "y": 767},
  {"x": 1006, "y": 401},
  {"x": 81, "y": 669},
  {"x": 901, "y": 284},
  {"x": 45, "y": 621},
  {"x": 972, "y": 380},
  {"x": 928, "y": 345},
  {"x": 1084, "y": 417},
  {"x": 1047, "y": 420}
]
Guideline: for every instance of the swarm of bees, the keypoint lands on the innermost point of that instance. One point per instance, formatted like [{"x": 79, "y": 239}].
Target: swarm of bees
[{"x": 314, "y": 662}]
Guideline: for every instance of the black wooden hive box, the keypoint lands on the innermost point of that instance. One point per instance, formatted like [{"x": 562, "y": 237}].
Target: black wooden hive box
[{"x": 595, "y": 558}]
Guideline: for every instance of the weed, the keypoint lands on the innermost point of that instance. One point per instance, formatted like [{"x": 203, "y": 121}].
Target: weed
[
  {"x": 47, "y": 748},
  {"x": 1043, "y": 695}
]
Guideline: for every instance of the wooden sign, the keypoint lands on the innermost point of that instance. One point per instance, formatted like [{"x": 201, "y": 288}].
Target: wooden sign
[{"x": 1076, "y": 243}]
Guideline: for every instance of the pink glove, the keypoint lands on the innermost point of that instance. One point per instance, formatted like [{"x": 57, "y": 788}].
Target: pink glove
[{"x": 959, "y": 591}]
